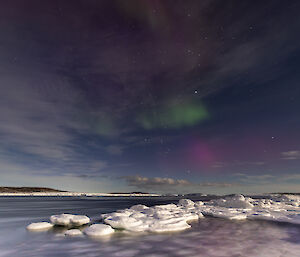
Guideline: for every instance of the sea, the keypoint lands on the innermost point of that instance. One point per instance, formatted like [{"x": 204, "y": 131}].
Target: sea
[{"x": 215, "y": 237}]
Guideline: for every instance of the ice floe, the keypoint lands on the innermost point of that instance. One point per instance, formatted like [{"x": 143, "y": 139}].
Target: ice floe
[
  {"x": 186, "y": 203},
  {"x": 284, "y": 208},
  {"x": 236, "y": 201},
  {"x": 39, "y": 226},
  {"x": 159, "y": 218},
  {"x": 69, "y": 220},
  {"x": 99, "y": 230},
  {"x": 73, "y": 232}
]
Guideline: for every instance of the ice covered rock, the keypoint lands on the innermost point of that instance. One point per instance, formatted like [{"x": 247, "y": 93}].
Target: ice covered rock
[
  {"x": 69, "y": 220},
  {"x": 96, "y": 230},
  {"x": 39, "y": 226},
  {"x": 73, "y": 232}
]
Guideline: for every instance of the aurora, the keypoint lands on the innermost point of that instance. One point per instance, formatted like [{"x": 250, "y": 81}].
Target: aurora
[{"x": 174, "y": 115}]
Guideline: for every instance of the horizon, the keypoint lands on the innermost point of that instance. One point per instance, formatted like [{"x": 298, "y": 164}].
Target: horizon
[
  {"x": 160, "y": 96},
  {"x": 61, "y": 191}
]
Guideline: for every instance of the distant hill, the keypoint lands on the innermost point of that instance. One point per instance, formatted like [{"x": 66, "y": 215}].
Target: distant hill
[{"x": 28, "y": 190}]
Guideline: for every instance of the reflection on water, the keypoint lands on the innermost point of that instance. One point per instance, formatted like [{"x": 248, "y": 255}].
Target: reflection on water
[{"x": 208, "y": 237}]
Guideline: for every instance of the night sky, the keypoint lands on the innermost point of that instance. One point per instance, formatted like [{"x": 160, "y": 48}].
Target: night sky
[{"x": 152, "y": 96}]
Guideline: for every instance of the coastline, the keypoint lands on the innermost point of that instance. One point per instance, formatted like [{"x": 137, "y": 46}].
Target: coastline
[{"x": 76, "y": 194}]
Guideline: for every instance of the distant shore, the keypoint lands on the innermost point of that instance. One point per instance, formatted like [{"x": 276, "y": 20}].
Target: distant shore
[
  {"x": 50, "y": 192},
  {"x": 44, "y": 191},
  {"x": 77, "y": 194}
]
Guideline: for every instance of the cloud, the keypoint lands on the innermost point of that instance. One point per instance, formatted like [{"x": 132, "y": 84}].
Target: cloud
[
  {"x": 267, "y": 178},
  {"x": 237, "y": 163},
  {"x": 139, "y": 181},
  {"x": 217, "y": 184},
  {"x": 290, "y": 155},
  {"x": 255, "y": 179},
  {"x": 41, "y": 126},
  {"x": 168, "y": 184}
]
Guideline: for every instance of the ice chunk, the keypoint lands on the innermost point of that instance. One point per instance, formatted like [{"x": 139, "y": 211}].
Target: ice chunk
[
  {"x": 186, "y": 203},
  {"x": 199, "y": 203},
  {"x": 62, "y": 219},
  {"x": 98, "y": 230},
  {"x": 287, "y": 198},
  {"x": 69, "y": 219},
  {"x": 280, "y": 209},
  {"x": 159, "y": 218},
  {"x": 73, "y": 232},
  {"x": 228, "y": 214},
  {"x": 79, "y": 220},
  {"x": 149, "y": 211},
  {"x": 237, "y": 201},
  {"x": 161, "y": 226},
  {"x": 166, "y": 206},
  {"x": 123, "y": 222},
  {"x": 139, "y": 207},
  {"x": 39, "y": 226}
]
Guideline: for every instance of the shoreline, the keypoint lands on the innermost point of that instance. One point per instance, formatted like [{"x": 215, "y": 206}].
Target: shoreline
[
  {"x": 77, "y": 194},
  {"x": 85, "y": 194}
]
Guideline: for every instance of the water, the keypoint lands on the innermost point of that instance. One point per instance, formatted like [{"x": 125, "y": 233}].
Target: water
[{"x": 208, "y": 237}]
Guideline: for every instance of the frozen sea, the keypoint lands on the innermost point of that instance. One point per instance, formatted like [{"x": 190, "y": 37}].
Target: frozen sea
[{"x": 207, "y": 237}]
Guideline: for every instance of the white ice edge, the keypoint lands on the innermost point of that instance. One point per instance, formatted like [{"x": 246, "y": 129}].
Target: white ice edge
[{"x": 172, "y": 217}]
